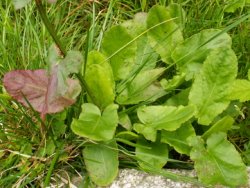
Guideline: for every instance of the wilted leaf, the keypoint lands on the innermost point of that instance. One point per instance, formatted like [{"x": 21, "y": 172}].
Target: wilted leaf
[
  {"x": 34, "y": 86},
  {"x": 118, "y": 47},
  {"x": 20, "y": 3},
  {"x": 178, "y": 138},
  {"x": 155, "y": 118},
  {"x": 101, "y": 162},
  {"x": 47, "y": 92},
  {"x": 94, "y": 124},
  {"x": 99, "y": 79},
  {"x": 151, "y": 154},
  {"x": 240, "y": 90},
  {"x": 218, "y": 162},
  {"x": 189, "y": 55},
  {"x": 211, "y": 87},
  {"x": 163, "y": 34}
]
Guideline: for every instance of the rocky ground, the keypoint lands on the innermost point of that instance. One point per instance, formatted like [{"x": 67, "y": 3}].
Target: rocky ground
[{"x": 131, "y": 178}]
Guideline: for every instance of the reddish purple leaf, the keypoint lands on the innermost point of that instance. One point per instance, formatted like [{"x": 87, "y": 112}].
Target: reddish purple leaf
[{"x": 40, "y": 90}]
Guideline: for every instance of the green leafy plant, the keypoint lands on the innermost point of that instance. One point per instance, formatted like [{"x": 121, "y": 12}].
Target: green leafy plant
[{"x": 148, "y": 88}]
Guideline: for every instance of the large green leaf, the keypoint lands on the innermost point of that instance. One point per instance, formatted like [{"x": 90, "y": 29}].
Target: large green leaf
[
  {"x": 211, "y": 87},
  {"x": 155, "y": 118},
  {"x": 223, "y": 125},
  {"x": 94, "y": 124},
  {"x": 151, "y": 154},
  {"x": 20, "y": 3},
  {"x": 118, "y": 46},
  {"x": 163, "y": 34},
  {"x": 178, "y": 138},
  {"x": 101, "y": 161},
  {"x": 99, "y": 79},
  {"x": 240, "y": 90},
  {"x": 146, "y": 57},
  {"x": 218, "y": 162},
  {"x": 189, "y": 55},
  {"x": 142, "y": 88},
  {"x": 177, "y": 12}
]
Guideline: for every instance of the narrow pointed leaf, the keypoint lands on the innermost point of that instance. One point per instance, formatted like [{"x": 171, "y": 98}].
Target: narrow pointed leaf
[
  {"x": 218, "y": 162},
  {"x": 94, "y": 124},
  {"x": 211, "y": 87},
  {"x": 163, "y": 34},
  {"x": 151, "y": 154},
  {"x": 102, "y": 162}
]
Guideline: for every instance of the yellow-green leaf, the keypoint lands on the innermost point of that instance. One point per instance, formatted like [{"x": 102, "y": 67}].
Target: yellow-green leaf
[
  {"x": 101, "y": 161},
  {"x": 217, "y": 161},
  {"x": 211, "y": 86}
]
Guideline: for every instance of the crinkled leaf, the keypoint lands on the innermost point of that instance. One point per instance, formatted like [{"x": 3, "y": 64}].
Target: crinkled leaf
[
  {"x": 211, "y": 87},
  {"x": 163, "y": 34},
  {"x": 218, "y": 162},
  {"x": 99, "y": 79},
  {"x": 178, "y": 138},
  {"x": 94, "y": 124},
  {"x": 142, "y": 88},
  {"x": 189, "y": 55},
  {"x": 101, "y": 161},
  {"x": 118, "y": 47},
  {"x": 240, "y": 90},
  {"x": 223, "y": 125},
  {"x": 34, "y": 86},
  {"x": 155, "y": 118},
  {"x": 151, "y": 154},
  {"x": 20, "y": 3}
]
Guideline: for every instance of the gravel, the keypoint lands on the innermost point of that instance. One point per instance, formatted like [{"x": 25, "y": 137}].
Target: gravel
[{"x": 131, "y": 178}]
